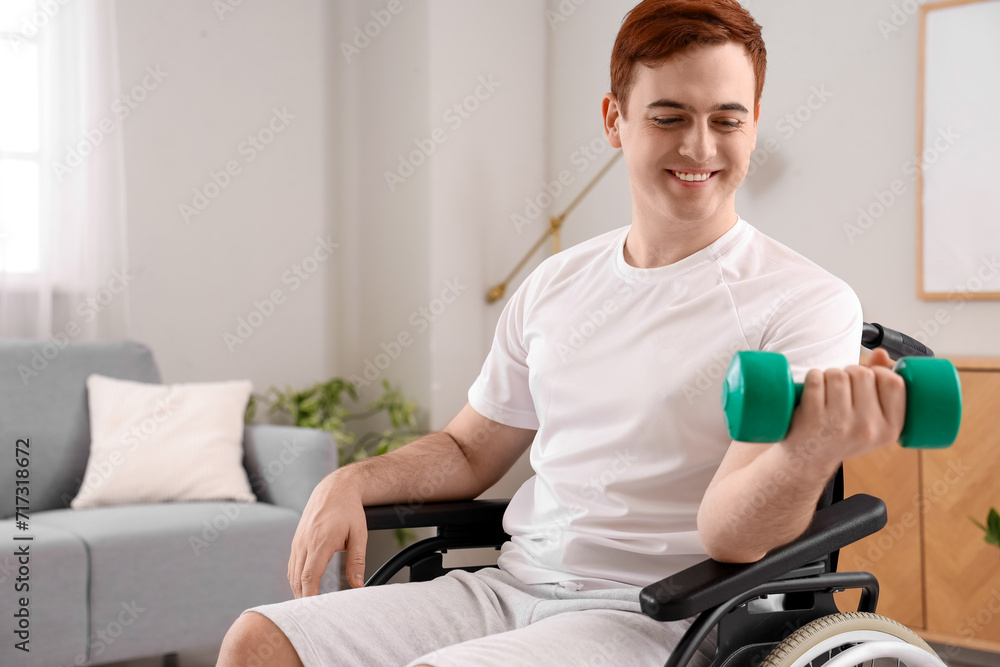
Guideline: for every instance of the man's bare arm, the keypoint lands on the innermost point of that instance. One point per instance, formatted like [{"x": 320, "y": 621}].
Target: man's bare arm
[
  {"x": 458, "y": 463},
  {"x": 763, "y": 496}
]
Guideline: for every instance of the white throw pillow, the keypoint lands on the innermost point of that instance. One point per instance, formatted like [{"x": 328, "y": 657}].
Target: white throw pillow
[{"x": 153, "y": 443}]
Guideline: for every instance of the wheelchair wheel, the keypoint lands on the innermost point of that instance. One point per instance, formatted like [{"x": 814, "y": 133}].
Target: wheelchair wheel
[{"x": 851, "y": 639}]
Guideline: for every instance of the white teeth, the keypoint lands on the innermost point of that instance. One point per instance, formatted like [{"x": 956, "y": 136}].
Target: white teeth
[{"x": 691, "y": 177}]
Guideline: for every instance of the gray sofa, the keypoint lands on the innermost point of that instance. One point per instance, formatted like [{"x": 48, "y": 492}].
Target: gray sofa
[{"x": 117, "y": 583}]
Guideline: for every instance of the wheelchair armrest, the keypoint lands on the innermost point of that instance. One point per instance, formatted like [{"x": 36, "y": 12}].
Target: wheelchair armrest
[
  {"x": 486, "y": 514},
  {"x": 461, "y": 524},
  {"x": 710, "y": 583}
]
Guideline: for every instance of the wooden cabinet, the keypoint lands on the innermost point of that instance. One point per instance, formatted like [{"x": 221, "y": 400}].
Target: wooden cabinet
[{"x": 937, "y": 575}]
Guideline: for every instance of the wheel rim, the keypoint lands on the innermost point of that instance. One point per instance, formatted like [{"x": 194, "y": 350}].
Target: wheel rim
[
  {"x": 897, "y": 650},
  {"x": 820, "y": 642}
]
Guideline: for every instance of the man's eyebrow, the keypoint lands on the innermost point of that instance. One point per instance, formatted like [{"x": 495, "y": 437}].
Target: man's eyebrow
[{"x": 670, "y": 104}]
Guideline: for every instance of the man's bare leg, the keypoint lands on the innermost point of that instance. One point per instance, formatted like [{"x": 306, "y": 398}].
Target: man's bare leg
[{"x": 255, "y": 640}]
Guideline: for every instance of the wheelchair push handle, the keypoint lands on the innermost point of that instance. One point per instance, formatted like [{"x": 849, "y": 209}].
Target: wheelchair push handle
[
  {"x": 895, "y": 343},
  {"x": 759, "y": 395}
]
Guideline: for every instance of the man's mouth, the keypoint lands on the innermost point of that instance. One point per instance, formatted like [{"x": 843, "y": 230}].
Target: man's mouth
[{"x": 693, "y": 178}]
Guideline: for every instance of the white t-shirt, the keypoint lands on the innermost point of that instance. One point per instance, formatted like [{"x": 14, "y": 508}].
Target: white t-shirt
[{"x": 620, "y": 371}]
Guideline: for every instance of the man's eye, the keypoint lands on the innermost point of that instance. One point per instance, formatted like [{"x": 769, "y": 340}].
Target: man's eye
[{"x": 662, "y": 122}]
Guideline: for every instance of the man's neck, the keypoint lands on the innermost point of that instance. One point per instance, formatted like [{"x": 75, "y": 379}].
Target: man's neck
[{"x": 654, "y": 243}]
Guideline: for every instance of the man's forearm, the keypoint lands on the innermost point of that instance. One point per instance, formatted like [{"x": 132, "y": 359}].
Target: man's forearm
[
  {"x": 432, "y": 468},
  {"x": 764, "y": 505}
]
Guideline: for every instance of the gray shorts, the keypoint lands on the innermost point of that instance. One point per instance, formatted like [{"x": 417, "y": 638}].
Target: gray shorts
[{"x": 483, "y": 619}]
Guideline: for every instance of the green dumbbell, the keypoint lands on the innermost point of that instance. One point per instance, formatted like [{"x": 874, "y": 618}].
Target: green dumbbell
[{"x": 758, "y": 397}]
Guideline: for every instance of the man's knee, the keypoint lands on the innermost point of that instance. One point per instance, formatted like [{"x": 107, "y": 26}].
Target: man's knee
[{"x": 255, "y": 641}]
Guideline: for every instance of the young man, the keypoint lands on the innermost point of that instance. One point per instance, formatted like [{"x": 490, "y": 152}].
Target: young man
[{"x": 608, "y": 362}]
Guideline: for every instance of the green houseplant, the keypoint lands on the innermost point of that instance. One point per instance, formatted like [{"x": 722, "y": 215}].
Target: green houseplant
[
  {"x": 322, "y": 406},
  {"x": 992, "y": 527}
]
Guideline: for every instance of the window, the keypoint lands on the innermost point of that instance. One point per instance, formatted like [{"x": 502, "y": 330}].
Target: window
[{"x": 20, "y": 137}]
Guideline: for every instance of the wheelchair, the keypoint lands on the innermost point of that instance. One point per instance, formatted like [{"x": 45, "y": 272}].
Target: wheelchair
[{"x": 777, "y": 612}]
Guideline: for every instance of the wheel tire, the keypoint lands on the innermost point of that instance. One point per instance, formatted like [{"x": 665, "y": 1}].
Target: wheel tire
[{"x": 801, "y": 647}]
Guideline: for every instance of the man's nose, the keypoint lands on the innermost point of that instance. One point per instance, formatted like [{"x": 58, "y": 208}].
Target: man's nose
[{"x": 698, "y": 143}]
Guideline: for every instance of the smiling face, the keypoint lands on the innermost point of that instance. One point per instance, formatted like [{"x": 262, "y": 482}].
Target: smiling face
[{"x": 687, "y": 137}]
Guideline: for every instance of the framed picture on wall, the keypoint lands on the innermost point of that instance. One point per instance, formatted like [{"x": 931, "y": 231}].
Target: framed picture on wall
[{"x": 958, "y": 138}]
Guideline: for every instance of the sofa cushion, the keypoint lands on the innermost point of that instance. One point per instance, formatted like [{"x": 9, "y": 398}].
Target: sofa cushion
[
  {"x": 162, "y": 443},
  {"x": 57, "y": 596},
  {"x": 185, "y": 569},
  {"x": 43, "y": 398}
]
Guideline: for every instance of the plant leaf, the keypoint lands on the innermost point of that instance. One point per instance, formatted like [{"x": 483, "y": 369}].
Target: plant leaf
[
  {"x": 404, "y": 536},
  {"x": 992, "y": 527},
  {"x": 251, "y": 410},
  {"x": 993, "y": 523},
  {"x": 323, "y": 406}
]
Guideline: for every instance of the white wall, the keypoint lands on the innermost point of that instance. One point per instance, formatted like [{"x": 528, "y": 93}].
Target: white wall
[
  {"x": 223, "y": 79},
  {"x": 817, "y": 174}
]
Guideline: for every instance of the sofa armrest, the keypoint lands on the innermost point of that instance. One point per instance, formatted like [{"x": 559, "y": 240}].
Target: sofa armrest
[{"x": 285, "y": 463}]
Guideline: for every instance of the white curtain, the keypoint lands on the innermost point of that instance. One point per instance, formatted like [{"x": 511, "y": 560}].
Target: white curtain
[{"x": 81, "y": 291}]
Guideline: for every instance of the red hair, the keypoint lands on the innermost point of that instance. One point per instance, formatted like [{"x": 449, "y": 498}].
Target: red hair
[{"x": 656, "y": 29}]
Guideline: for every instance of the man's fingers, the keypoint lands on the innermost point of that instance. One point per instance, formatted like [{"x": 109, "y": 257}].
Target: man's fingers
[
  {"x": 312, "y": 572},
  {"x": 892, "y": 397},
  {"x": 813, "y": 392},
  {"x": 357, "y": 542},
  {"x": 296, "y": 580},
  {"x": 321, "y": 533},
  {"x": 864, "y": 394},
  {"x": 879, "y": 358},
  {"x": 300, "y": 551},
  {"x": 838, "y": 392},
  {"x": 292, "y": 560},
  {"x": 868, "y": 423}
]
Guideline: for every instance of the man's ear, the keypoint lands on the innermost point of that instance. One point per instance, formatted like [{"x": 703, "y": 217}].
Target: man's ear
[{"x": 612, "y": 114}]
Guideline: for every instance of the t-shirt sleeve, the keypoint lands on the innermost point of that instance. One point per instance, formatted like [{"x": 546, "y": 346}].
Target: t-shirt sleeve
[
  {"x": 821, "y": 330},
  {"x": 502, "y": 392}
]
